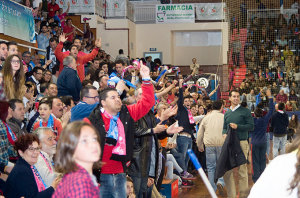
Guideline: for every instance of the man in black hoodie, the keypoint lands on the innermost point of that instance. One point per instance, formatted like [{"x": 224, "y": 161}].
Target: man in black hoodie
[{"x": 279, "y": 123}]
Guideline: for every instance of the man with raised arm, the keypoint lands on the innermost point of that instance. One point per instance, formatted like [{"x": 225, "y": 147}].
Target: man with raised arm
[
  {"x": 80, "y": 60},
  {"x": 115, "y": 124}
]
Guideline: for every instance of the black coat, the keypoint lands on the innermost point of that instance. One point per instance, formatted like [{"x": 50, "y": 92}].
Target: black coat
[
  {"x": 140, "y": 163},
  {"x": 129, "y": 128},
  {"x": 55, "y": 67},
  {"x": 231, "y": 154},
  {"x": 21, "y": 183}
]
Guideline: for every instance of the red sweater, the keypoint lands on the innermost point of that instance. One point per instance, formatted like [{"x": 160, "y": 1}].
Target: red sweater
[
  {"x": 52, "y": 9},
  {"x": 136, "y": 111},
  {"x": 81, "y": 60}
]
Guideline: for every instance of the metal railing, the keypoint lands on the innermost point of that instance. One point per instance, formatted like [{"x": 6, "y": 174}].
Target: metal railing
[{"x": 27, "y": 46}]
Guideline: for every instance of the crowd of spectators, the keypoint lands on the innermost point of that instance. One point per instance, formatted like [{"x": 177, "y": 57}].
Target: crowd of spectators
[
  {"x": 129, "y": 114},
  {"x": 271, "y": 56}
]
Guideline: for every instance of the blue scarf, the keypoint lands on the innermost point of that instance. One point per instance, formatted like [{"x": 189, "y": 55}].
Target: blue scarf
[
  {"x": 113, "y": 131},
  {"x": 113, "y": 77},
  {"x": 50, "y": 123},
  {"x": 12, "y": 135},
  {"x": 160, "y": 75}
]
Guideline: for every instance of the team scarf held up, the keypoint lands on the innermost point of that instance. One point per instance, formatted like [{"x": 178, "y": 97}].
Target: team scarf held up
[{"x": 116, "y": 134}]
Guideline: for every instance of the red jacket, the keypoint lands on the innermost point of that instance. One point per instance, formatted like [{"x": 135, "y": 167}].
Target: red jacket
[{"x": 81, "y": 60}]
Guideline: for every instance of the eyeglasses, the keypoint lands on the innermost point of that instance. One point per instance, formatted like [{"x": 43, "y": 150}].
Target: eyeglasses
[
  {"x": 95, "y": 97},
  {"x": 32, "y": 149},
  {"x": 39, "y": 73},
  {"x": 15, "y": 61}
]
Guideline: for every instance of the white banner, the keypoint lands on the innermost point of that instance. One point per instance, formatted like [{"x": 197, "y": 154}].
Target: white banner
[
  {"x": 175, "y": 13},
  {"x": 210, "y": 11},
  {"x": 116, "y": 8},
  {"x": 78, "y": 6}
]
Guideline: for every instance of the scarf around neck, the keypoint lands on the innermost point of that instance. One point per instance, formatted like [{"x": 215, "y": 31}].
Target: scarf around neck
[{"x": 116, "y": 133}]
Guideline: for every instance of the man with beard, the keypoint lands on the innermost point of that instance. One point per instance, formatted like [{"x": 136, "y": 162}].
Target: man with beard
[
  {"x": 3, "y": 53},
  {"x": 80, "y": 60},
  {"x": 44, "y": 164}
]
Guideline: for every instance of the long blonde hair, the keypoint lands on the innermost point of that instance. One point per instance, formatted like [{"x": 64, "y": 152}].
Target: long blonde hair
[
  {"x": 295, "y": 184},
  {"x": 13, "y": 83}
]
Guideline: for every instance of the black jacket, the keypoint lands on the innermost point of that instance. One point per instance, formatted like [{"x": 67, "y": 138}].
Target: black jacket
[
  {"x": 16, "y": 126},
  {"x": 21, "y": 183},
  {"x": 129, "y": 128},
  {"x": 279, "y": 123},
  {"x": 231, "y": 154},
  {"x": 183, "y": 116},
  {"x": 55, "y": 67},
  {"x": 140, "y": 163}
]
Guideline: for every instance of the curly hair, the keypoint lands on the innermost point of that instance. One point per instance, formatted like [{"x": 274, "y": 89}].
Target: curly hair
[{"x": 24, "y": 141}]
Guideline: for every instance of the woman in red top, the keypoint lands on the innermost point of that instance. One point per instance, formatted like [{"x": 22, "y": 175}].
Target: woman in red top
[
  {"x": 46, "y": 119},
  {"x": 77, "y": 150}
]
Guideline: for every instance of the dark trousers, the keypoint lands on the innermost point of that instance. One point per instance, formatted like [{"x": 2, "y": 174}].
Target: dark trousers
[
  {"x": 140, "y": 186},
  {"x": 258, "y": 159},
  {"x": 236, "y": 59}
]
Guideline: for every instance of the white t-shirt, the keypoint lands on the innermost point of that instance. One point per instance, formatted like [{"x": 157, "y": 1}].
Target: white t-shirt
[{"x": 275, "y": 180}]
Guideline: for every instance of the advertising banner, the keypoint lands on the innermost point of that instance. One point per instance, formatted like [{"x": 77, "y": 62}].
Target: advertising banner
[
  {"x": 78, "y": 6},
  {"x": 210, "y": 11},
  {"x": 16, "y": 21},
  {"x": 175, "y": 13},
  {"x": 116, "y": 8}
]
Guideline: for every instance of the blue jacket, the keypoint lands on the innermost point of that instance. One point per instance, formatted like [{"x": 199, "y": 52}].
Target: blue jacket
[
  {"x": 68, "y": 84},
  {"x": 279, "y": 123},
  {"x": 260, "y": 125},
  {"x": 21, "y": 183},
  {"x": 82, "y": 110}
]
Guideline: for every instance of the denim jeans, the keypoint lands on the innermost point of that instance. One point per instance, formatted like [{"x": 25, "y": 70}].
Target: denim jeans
[
  {"x": 183, "y": 144},
  {"x": 236, "y": 59},
  {"x": 212, "y": 154},
  {"x": 278, "y": 143},
  {"x": 251, "y": 106},
  {"x": 113, "y": 185},
  {"x": 268, "y": 144},
  {"x": 140, "y": 186}
]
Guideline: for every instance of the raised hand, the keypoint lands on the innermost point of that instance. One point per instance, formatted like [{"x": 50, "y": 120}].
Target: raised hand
[
  {"x": 169, "y": 112},
  {"x": 62, "y": 37},
  {"x": 159, "y": 128},
  {"x": 174, "y": 129},
  {"x": 98, "y": 43},
  {"x": 144, "y": 70},
  {"x": 180, "y": 83}
]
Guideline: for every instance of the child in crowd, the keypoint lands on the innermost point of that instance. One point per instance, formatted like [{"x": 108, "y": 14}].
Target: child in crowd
[
  {"x": 47, "y": 119},
  {"x": 78, "y": 150},
  {"x": 129, "y": 188}
]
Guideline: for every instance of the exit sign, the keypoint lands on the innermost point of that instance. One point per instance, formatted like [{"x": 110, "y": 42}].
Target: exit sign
[{"x": 152, "y": 49}]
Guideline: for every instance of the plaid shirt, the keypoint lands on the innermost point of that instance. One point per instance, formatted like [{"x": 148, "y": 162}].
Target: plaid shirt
[
  {"x": 77, "y": 184},
  {"x": 6, "y": 149}
]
